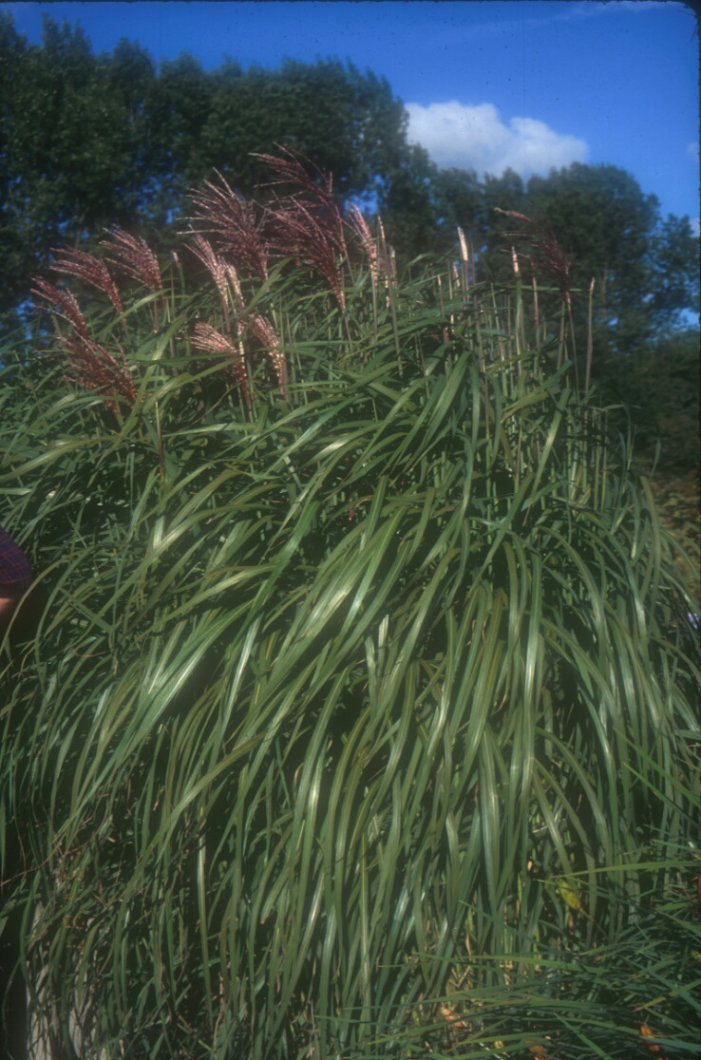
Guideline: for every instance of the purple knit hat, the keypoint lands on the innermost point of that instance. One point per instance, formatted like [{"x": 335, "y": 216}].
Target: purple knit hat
[{"x": 15, "y": 568}]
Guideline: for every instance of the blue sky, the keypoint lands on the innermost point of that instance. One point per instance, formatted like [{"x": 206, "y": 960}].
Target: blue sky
[{"x": 486, "y": 84}]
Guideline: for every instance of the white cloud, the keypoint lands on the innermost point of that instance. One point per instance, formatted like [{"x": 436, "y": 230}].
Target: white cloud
[
  {"x": 563, "y": 11},
  {"x": 475, "y": 137},
  {"x": 588, "y": 9},
  {"x": 693, "y": 149}
]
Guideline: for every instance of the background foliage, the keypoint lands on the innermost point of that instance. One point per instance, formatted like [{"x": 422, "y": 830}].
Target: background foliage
[{"x": 111, "y": 139}]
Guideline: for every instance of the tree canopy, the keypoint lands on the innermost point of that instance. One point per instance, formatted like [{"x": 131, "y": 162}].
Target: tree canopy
[{"x": 89, "y": 141}]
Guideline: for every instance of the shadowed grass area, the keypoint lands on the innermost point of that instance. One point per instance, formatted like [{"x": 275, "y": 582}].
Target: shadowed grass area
[
  {"x": 679, "y": 500},
  {"x": 362, "y": 716}
]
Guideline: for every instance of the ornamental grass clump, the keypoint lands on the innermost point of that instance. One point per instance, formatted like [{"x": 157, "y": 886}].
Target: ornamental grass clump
[{"x": 362, "y": 717}]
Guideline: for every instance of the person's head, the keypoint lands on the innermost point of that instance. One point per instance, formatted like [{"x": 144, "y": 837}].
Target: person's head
[{"x": 19, "y": 600}]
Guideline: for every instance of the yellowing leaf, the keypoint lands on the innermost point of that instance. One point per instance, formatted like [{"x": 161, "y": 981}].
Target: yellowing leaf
[{"x": 570, "y": 896}]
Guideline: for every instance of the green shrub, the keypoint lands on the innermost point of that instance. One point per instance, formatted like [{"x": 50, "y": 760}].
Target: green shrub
[{"x": 362, "y": 713}]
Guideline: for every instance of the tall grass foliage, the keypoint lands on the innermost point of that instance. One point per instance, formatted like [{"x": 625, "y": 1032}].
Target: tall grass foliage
[{"x": 361, "y": 720}]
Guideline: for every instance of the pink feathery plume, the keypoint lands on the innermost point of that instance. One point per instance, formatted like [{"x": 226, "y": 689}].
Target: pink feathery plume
[
  {"x": 267, "y": 336},
  {"x": 91, "y": 270},
  {"x": 209, "y": 340},
  {"x": 367, "y": 241},
  {"x": 63, "y": 304},
  {"x": 133, "y": 256},
  {"x": 95, "y": 368},
  {"x": 215, "y": 265},
  {"x": 307, "y": 224},
  {"x": 236, "y": 226}
]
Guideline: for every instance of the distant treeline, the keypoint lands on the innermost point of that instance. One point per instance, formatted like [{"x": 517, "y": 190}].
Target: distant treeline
[{"x": 89, "y": 141}]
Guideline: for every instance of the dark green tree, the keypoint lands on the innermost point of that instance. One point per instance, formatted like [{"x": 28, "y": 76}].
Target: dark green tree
[
  {"x": 504, "y": 193},
  {"x": 348, "y": 123},
  {"x": 89, "y": 141},
  {"x": 180, "y": 104},
  {"x": 675, "y": 271},
  {"x": 457, "y": 200},
  {"x": 644, "y": 268},
  {"x": 408, "y": 204},
  {"x": 75, "y": 145},
  {"x": 657, "y": 391}
]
